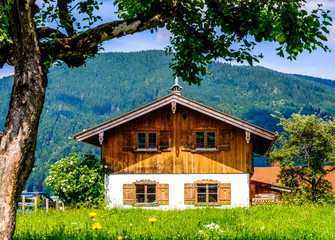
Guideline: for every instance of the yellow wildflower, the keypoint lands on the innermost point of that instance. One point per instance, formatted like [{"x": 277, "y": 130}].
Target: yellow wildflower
[
  {"x": 96, "y": 226},
  {"x": 152, "y": 220},
  {"x": 92, "y": 214},
  {"x": 119, "y": 238}
]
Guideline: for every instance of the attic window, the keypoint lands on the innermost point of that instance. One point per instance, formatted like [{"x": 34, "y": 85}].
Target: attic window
[
  {"x": 205, "y": 140},
  {"x": 146, "y": 140}
]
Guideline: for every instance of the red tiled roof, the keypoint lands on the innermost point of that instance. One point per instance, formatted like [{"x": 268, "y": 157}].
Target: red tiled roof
[
  {"x": 266, "y": 175},
  {"x": 269, "y": 175},
  {"x": 1, "y": 134}
]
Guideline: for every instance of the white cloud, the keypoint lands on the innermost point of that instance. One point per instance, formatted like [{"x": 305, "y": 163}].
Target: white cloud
[{"x": 163, "y": 35}]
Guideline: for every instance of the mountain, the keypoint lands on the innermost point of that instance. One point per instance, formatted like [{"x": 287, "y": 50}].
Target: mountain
[{"x": 115, "y": 83}]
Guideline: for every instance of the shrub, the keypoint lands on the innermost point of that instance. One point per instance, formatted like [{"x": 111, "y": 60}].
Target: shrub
[{"x": 77, "y": 180}]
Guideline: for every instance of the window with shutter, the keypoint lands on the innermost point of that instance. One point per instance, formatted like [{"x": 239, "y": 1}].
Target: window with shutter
[
  {"x": 207, "y": 192},
  {"x": 145, "y": 193}
]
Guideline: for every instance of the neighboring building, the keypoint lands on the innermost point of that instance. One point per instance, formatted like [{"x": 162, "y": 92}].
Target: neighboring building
[
  {"x": 269, "y": 175},
  {"x": 175, "y": 152}
]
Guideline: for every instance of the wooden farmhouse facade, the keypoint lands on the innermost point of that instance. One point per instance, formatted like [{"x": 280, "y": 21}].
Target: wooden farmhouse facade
[{"x": 175, "y": 152}]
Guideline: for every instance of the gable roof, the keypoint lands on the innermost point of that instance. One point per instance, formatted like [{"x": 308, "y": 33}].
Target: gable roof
[{"x": 262, "y": 139}]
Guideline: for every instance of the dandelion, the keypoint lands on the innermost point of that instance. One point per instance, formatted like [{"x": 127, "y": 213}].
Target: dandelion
[
  {"x": 119, "y": 238},
  {"x": 92, "y": 214},
  {"x": 96, "y": 226},
  {"x": 152, "y": 220},
  {"x": 262, "y": 228}
]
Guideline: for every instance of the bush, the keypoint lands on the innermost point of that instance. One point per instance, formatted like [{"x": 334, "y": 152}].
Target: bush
[{"x": 77, "y": 180}]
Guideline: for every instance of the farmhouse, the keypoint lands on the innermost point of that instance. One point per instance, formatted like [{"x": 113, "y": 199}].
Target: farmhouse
[{"x": 175, "y": 152}]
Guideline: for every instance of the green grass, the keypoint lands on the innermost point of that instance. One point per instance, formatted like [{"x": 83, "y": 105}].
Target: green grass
[{"x": 261, "y": 222}]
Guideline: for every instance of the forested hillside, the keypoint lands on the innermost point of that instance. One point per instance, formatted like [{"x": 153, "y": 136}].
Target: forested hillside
[{"x": 115, "y": 83}]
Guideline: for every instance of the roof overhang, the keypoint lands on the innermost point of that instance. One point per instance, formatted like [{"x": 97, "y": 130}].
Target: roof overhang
[
  {"x": 273, "y": 187},
  {"x": 262, "y": 137}
]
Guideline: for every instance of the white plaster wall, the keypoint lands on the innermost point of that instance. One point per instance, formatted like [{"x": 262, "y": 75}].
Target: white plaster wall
[{"x": 239, "y": 187}]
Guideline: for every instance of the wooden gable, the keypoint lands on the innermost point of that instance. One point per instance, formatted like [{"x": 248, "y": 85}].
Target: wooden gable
[
  {"x": 176, "y": 151},
  {"x": 174, "y": 122}
]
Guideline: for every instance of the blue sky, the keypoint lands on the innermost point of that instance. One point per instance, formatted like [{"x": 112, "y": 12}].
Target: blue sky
[{"x": 318, "y": 63}]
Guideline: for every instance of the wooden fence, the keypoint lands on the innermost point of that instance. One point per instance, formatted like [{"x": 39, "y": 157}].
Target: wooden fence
[{"x": 38, "y": 204}]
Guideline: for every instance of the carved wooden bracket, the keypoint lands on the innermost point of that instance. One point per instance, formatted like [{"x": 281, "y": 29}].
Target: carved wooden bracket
[
  {"x": 174, "y": 107},
  {"x": 247, "y": 136},
  {"x": 101, "y": 138}
]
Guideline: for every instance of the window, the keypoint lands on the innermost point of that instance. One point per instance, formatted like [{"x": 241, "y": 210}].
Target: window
[
  {"x": 207, "y": 193},
  {"x": 146, "y": 193},
  {"x": 205, "y": 140},
  {"x": 146, "y": 140}
]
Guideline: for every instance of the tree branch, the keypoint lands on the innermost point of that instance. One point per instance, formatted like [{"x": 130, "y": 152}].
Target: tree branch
[
  {"x": 45, "y": 32},
  {"x": 74, "y": 51},
  {"x": 65, "y": 17}
]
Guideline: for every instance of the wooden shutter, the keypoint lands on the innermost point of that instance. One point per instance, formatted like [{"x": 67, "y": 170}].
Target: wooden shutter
[
  {"x": 189, "y": 190},
  {"x": 164, "y": 140},
  {"x": 187, "y": 140},
  {"x": 128, "y": 194},
  {"x": 162, "y": 194},
  {"x": 224, "y": 139},
  {"x": 127, "y": 143},
  {"x": 224, "y": 194}
]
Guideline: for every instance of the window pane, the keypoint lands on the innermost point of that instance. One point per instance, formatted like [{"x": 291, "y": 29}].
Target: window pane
[
  {"x": 200, "y": 139},
  {"x": 141, "y": 140},
  {"x": 140, "y": 198},
  {"x": 201, "y": 197},
  {"x": 212, "y": 188},
  {"x": 212, "y": 197},
  {"x": 152, "y": 140},
  {"x": 151, "y": 188},
  {"x": 211, "y": 140},
  {"x": 140, "y": 189},
  {"x": 151, "y": 197},
  {"x": 201, "y": 188}
]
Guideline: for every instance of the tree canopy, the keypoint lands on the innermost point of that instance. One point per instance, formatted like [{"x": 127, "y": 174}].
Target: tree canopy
[
  {"x": 306, "y": 152},
  {"x": 201, "y": 30}
]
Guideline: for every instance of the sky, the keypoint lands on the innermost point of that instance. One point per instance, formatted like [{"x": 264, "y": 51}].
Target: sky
[{"x": 317, "y": 64}]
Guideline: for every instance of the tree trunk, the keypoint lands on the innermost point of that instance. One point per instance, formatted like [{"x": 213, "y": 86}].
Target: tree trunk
[
  {"x": 17, "y": 149},
  {"x": 314, "y": 191}
]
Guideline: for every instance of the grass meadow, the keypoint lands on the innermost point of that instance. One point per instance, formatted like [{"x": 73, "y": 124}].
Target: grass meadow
[{"x": 258, "y": 222}]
